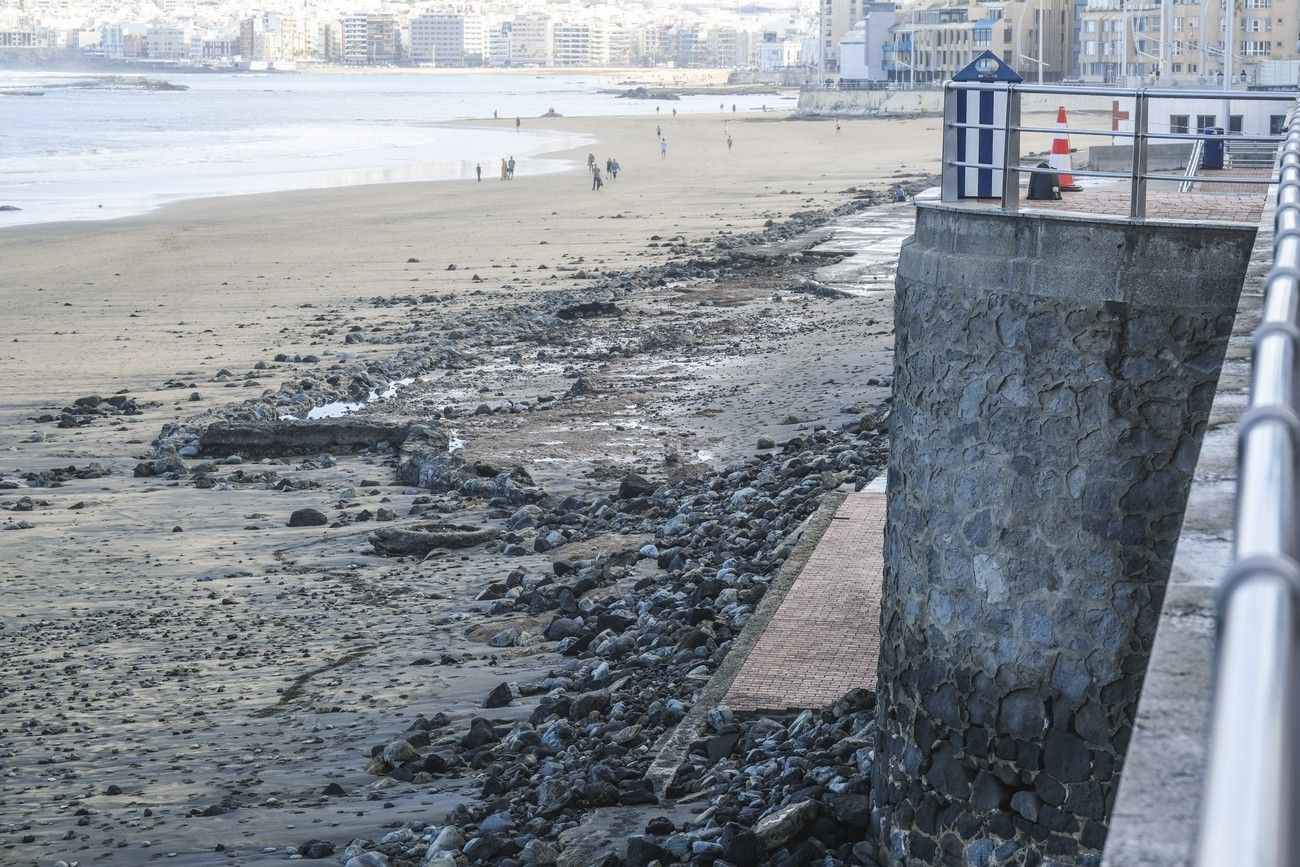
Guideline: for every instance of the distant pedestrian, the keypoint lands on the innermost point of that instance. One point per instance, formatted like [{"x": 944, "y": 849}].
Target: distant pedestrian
[
  {"x": 674, "y": 112},
  {"x": 837, "y": 126},
  {"x": 659, "y": 131},
  {"x": 478, "y": 170},
  {"x": 663, "y": 147},
  {"x": 518, "y": 122},
  {"x": 494, "y": 114},
  {"x": 510, "y": 168},
  {"x": 596, "y": 182},
  {"x": 733, "y": 108},
  {"x": 728, "y": 144},
  {"x": 657, "y": 109},
  {"x": 505, "y": 170},
  {"x": 609, "y": 166},
  {"x": 722, "y": 106},
  {"x": 591, "y": 161},
  {"x": 613, "y": 169}
]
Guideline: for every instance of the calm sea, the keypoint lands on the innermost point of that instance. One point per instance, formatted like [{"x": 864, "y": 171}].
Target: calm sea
[{"x": 85, "y": 154}]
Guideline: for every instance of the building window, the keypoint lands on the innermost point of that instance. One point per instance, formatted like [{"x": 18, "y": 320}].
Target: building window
[
  {"x": 1254, "y": 48},
  {"x": 1204, "y": 122},
  {"x": 1276, "y": 124},
  {"x": 1178, "y": 123}
]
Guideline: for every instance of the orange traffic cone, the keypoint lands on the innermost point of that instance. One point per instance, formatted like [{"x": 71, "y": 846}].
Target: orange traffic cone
[{"x": 1060, "y": 158}]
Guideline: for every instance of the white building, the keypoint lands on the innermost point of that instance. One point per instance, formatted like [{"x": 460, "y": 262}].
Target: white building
[
  {"x": 581, "y": 44},
  {"x": 449, "y": 39},
  {"x": 163, "y": 41},
  {"x": 853, "y": 54},
  {"x": 532, "y": 41}
]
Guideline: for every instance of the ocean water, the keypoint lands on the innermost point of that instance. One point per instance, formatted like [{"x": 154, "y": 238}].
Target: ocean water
[{"x": 100, "y": 153}]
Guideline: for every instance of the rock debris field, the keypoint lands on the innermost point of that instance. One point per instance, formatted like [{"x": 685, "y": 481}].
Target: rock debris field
[{"x": 439, "y": 593}]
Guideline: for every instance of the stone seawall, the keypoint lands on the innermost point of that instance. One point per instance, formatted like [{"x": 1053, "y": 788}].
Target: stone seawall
[{"x": 1053, "y": 376}]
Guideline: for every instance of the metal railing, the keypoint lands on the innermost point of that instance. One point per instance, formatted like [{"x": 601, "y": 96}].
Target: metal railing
[
  {"x": 1139, "y": 175},
  {"x": 1249, "y": 812}
]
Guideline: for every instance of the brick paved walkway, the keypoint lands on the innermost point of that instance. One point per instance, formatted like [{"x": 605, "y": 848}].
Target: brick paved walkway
[{"x": 824, "y": 638}]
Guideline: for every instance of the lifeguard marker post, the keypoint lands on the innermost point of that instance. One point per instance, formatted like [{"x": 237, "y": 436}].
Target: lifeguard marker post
[{"x": 975, "y": 131}]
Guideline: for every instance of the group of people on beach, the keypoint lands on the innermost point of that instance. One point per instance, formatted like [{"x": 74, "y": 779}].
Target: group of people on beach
[
  {"x": 507, "y": 169},
  {"x": 612, "y": 169}
]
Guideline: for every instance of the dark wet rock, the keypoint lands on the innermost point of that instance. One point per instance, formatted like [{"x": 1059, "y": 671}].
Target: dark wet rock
[
  {"x": 589, "y": 309},
  {"x": 304, "y": 436},
  {"x": 500, "y": 696},
  {"x": 308, "y": 518},
  {"x": 634, "y": 485},
  {"x": 315, "y": 849},
  {"x": 420, "y": 540},
  {"x": 436, "y": 471}
]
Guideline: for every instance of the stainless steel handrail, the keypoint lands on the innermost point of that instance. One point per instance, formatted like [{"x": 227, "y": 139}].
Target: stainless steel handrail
[
  {"x": 1149, "y": 92},
  {"x": 1248, "y": 814},
  {"x": 1008, "y": 162}
]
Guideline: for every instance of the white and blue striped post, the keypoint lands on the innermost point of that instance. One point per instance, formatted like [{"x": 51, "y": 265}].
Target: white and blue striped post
[
  {"x": 983, "y": 145},
  {"x": 976, "y": 130}
]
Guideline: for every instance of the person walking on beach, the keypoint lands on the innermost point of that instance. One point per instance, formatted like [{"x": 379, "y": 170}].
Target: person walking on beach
[
  {"x": 837, "y": 126},
  {"x": 728, "y": 144},
  {"x": 510, "y": 168},
  {"x": 674, "y": 112},
  {"x": 518, "y": 122},
  {"x": 663, "y": 147},
  {"x": 596, "y": 182},
  {"x": 478, "y": 170},
  {"x": 733, "y": 108},
  {"x": 613, "y": 168},
  {"x": 659, "y": 131},
  {"x": 505, "y": 170},
  {"x": 591, "y": 161},
  {"x": 494, "y": 114}
]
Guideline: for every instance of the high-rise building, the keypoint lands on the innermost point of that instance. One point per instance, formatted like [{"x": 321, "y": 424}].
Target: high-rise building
[
  {"x": 930, "y": 43},
  {"x": 582, "y": 43},
  {"x": 449, "y": 39},
  {"x": 531, "y": 41}
]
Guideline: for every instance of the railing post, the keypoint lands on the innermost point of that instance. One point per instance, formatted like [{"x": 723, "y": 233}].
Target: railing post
[
  {"x": 950, "y": 134},
  {"x": 1137, "y": 203},
  {"x": 1011, "y": 152}
]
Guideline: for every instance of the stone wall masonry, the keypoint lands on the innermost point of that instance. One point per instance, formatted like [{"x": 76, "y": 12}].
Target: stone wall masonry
[{"x": 1053, "y": 376}]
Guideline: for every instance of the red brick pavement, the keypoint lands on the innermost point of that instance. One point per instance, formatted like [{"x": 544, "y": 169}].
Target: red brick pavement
[{"x": 824, "y": 638}]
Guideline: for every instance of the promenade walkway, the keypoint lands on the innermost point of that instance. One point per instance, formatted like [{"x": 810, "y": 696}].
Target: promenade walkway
[{"x": 824, "y": 638}]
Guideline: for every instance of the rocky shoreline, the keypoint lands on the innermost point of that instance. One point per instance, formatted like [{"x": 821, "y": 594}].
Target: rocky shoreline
[{"x": 610, "y": 571}]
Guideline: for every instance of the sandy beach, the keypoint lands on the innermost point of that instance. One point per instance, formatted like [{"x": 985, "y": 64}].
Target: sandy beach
[{"x": 186, "y": 677}]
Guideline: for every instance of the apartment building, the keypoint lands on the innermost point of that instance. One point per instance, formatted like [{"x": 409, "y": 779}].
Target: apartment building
[
  {"x": 369, "y": 40},
  {"x": 531, "y": 39},
  {"x": 932, "y": 42},
  {"x": 163, "y": 41},
  {"x": 580, "y": 44},
  {"x": 1182, "y": 42},
  {"x": 449, "y": 39}
]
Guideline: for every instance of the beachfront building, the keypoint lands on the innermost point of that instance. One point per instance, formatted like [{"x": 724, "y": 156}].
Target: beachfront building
[
  {"x": 779, "y": 50},
  {"x": 369, "y": 40},
  {"x": 580, "y": 43},
  {"x": 163, "y": 41},
  {"x": 932, "y": 42},
  {"x": 449, "y": 39},
  {"x": 23, "y": 33},
  {"x": 531, "y": 41},
  {"x": 1143, "y": 41}
]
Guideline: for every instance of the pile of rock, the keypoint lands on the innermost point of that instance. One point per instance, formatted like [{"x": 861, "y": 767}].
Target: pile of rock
[{"x": 637, "y": 653}]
